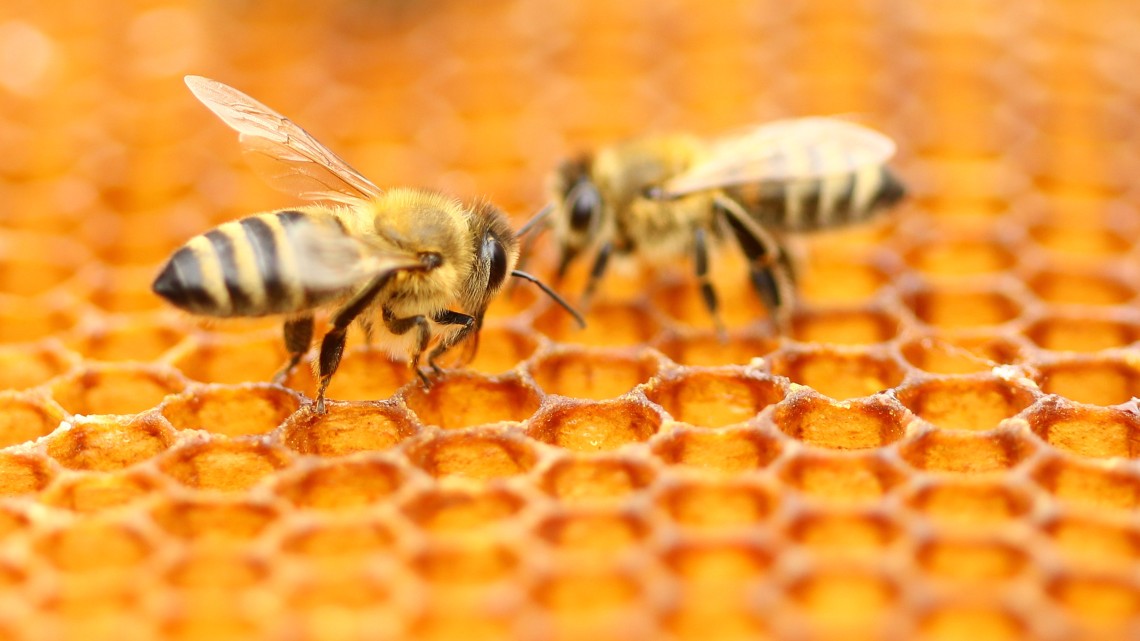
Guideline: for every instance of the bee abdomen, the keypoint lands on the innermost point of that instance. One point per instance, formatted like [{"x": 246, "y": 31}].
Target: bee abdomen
[{"x": 822, "y": 203}]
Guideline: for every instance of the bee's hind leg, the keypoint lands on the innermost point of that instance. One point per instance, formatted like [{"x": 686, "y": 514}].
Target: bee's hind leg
[
  {"x": 708, "y": 293},
  {"x": 401, "y": 326},
  {"x": 601, "y": 261},
  {"x": 298, "y": 336},
  {"x": 768, "y": 264},
  {"x": 448, "y": 317}
]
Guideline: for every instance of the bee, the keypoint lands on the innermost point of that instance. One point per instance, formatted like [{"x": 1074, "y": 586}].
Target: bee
[
  {"x": 670, "y": 196},
  {"x": 396, "y": 261}
]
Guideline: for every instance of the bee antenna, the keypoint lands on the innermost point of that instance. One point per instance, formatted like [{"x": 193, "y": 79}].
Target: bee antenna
[
  {"x": 534, "y": 221},
  {"x": 552, "y": 294}
]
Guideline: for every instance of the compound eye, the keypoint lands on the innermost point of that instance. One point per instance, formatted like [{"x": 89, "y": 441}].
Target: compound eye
[
  {"x": 585, "y": 203},
  {"x": 496, "y": 258}
]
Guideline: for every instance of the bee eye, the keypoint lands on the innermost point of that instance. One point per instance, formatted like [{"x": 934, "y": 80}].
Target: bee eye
[
  {"x": 496, "y": 258},
  {"x": 585, "y": 202}
]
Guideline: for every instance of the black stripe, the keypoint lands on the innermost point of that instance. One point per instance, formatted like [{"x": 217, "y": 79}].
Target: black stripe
[
  {"x": 240, "y": 301},
  {"x": 842, "y": 212},
  {"x": 810, "y": 201},
  {"x": 184, "y": 286},
  {"x": 290, "y": 217},
  {"x": 264, "y": 244}
]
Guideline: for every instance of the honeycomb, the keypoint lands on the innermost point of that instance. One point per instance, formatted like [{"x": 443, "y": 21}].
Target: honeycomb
[{"x": 943, "y": 446}]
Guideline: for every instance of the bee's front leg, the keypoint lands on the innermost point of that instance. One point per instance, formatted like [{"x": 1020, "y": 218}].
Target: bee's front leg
[{"x": 448, "y": 317}]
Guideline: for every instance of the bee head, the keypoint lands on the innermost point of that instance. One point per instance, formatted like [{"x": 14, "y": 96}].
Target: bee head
[
  {"x": 580, "y": 205},
  {"x": 496, "y": 252}
]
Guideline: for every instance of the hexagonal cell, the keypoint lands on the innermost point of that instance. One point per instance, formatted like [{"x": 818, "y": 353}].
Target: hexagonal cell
[
  {"x": 1067, "y": 287},
  {"x": 582, "y": 592},
  {"x": 594, "y": 427},
  {"x": 480, "y": 455},
  {"x": 32, "y": 319},
  {"x": 595, "y": 479},
  {"x": 341, "y": 539},
  {"x": 443, "y": 620},
  {"x": 461, "y": 511},
  {"x": 23, "y": 474},
  {"x": 698, "y": 616},
  {"x": 715, "y": 398},
  {"x": 707, "y": 349},
  {"x": 971, "y": 559},
  {"x": 1104, "y": 601},
  {"x": 348, "y": 428},
  {"x": 1089, "y": 485},
  {"x": 717, "y": 564},
  {"x": 366, "y": 373},
  {"x": 501, "y": 349},
  {"x": 93, "y": 544},
  {"x": 465, "y": 563},
  {"x": 115, "y": 389},
  {"x": 91, "y": 493},
  {"x": 31, "y": 364},
  {"x": 728, "y": 451},
  {"x": 592, "y": 374},
  {"x": 1081, "y": 333},
  {"x": 122, "y": 289},
  {"x": 941, "y": 256},
  {"x": 1097, "y": 381},
  {"x": 840, "y": 375},
  {"x": 223, "y": 569},
  {"x": 960, "y": 355},
  {"x": 845, "y": 327},
  {"x": 844, "y": 533},
  {"x": 717, "y": 505},
  {"x": 976, "y": 403},
  {"x": 135, "y": 338},
  {"x": 1097, "y": 432},
  {"x": 835, "y": 477},
  {"x": 833, "y": 279},
  {"x": 942, "y": 451},
  {"x": 231, "y": 411},
  {"x": 36, "y": 263},
  {"x": 229, "y": 466},
  {"x": 608, "y": 324},
  {"x": 230, "y": 359},
  {"x": 105, "y": 444},
  {"x": 971, "y": 502},
  {"x": 845, "y": 601},
  {"x": 216, "y": 520},
  {"x": 594, "y": 531},
  {"x": 26, "y": 417},
  {"x": 739, "y": 306},
  {"x": 1092, "y": 541},
  {"x": 953, "y": 620},
  {"x": 463, "y": 400},
  {"x": 963, "y": 308},
  {"x": 1079, "y": 242},
  {"x": 853, "y": 425},
  {"x": 341, "y": 485}
]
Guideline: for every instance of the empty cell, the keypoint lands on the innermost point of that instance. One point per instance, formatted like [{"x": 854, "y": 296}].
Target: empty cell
[
  {"x": 341, "y": 485},
  {"x": 128, "y": 388},
  {"x": 365, "y": 373},
  {"x": 444, "y": 621},
  {"x": 960, "y": 355},
  {"x": 942, "y": 257},
  {"x": 26, "y": 417},
  {"x": 738, "y": 305},
  {"x": 834, "y": 280},
  {"x": 716, "y": 505},
  {"x": 845, "y": 327},
  {"x": 30, "y": 364},
  {"x": 974, "y": 403},
  {"x": 34, "y": 264},
  {"x": 474, "y": 455},
  {"x": 217, "y": 569},
  {"x": 231, "y": 359},
  {"x": 1089, "y": 485},
  {"x": 953, "y": 621},
  {"x": 707, "y": 349},
  {"x": 715, "y": 398},
  {"x": 1081, "y": 333},
  {"x": 122, "y": 289},
  {"x": 834, "y": 477},
  {"x": 32, "y": 319},
  {"x": 608, "y": 324},
  {"x": 1095, "y": 381},
  {"x": 517, "y": 298},
  {"x": 442, "y": 511},
  {"x": 345, "y": 539},
  {"x": 501, "y": 349},
  {"x": 346, "y": 428},
  {"x": 718, "y": 565},
  {"x": 105, "y": 444},
  {"x": 212, "y": 520},
  {"x": 1077, "y": 288},
  {"x": 698, "y": 616},
  {"x": 134, "y": 338},
  {"x": 844, "y": 533},
  {"x": 963, "y": 308},
  {"x": 947, "y": 451},
  {"x": 597, "y": 531},
  {"x": 595, "y": 479},
  {"x": 466, "y": 563},
  {"x": 464, "y": 400},
  {"x": 229, "y": 466},
  {"x": 96, "y": 492},
  {"x": 728, "y": 451},
  {"x": 583, "y": 592},
  {"x": 231, "y": 411},
  {"x": 1097, "y": 600},
  {"x": 592, "y": 374},
  {"x": 594, "y": 427},
  {"x": 1095, "y": 432},
  {"x": 852, "y": 425},
  {"x": 23, "y": 474},
  {"x": 846, "y": 601},
  {"x": 841, "y": 375},
  {"x": 1086, "y": 241},
  {"x": 1091, "y": 541},
  {"x": 90, "y": 545},
  {"x": 972, "y": 560},
  {"x": 971, "y": 503}
]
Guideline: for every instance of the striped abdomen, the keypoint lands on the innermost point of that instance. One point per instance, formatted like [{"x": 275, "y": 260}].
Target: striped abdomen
[
  {"x": 247, "y": 267},
  {"x": 810, "y": 204}
]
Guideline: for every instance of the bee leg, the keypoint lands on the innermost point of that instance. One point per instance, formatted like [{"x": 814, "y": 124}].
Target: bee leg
[
  {"x": 332, "y": 346},
  {"x": 768, "y": 265},
  {"x": 298, "y": 336},
  {"x": 701, "y": 260},
  {"x": 599, "y": 269},
  {"x": 448, "y": 317},
  {"x": 401, "y": 326}
]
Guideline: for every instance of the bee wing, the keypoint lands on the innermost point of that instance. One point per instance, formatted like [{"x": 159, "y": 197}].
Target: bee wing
[
  {"x": 285, "y": 155},
  {"x": 794, "y": 149},
  {"x": 329, "y": 260}
]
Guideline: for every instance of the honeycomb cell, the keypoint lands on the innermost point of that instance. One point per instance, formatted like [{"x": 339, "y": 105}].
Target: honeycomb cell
[
  {"x": 1087, "y": 431},
  {"x": 949, "y": 257},
  {"x": 971, "y": 502},
  {"x": 598, "y": 531},
  {"x": 465, "y": 564},
  {"x": 96, "y": 492},
  {"x": 122, "y": 289},
  {"x": 938, "y": 355},
  {"x": 841, "y": 478},
  {"x": 30, "y": 364},
  {"x": 346, "y": 540},
  {"x": 1083, "y": 242},
  {"x": 501, "y": 349},
  {"x": 952, "y": 620},
  {"x": 1100, "y": 601},
  {"x": 947, "y": 451},
  {"x": 481, "y": 456},
  {"x": 592, "y": 374},
  {"x": 1089, "y": 542},
  {"x": 700, "y": 617},
  {"x": 462, "y": 511},
  {"x": 717, "y": 564},
  {"x": 976, "y": 403},
  {"x": 853, "y": 425},
  {"x": 135, "y": 338},
  {"x": 92, "y": 545},
  {"x": 230, "y": 359},
  {"x": 844, "y": 533},
  {"x": 973, "y": 560},
  {"x": 840, "y": 375},
  {"x": 729, "y": 451},
  {"x": 23, "y": 474},
  {"x": 712, "y": 505},
  {"x": 231, "y": 411},
  {"x": 837, "y": 280},
  {"x": 115, "y": 389},
  {"x": 216, "y": 569},
  {"x": 1089, "y": 485},
  {"x": 585, "y": 592},
  {"x": 365, "y": 374},
  {"x": 963, "y": 308},
  {"x": 845, "y": 327},
  {"x": 707, "y": 349},
  {"x": 1071, "y": 333},
  {"x": 1066, "y": 287},
  {"x": 595, "y": 427},
  {"x": 595, "y": 479},
  {"x": 341, "y": 485},
  {"x": 106, "y": 444},
  {"x": 845, "y": 601},
  {"x": 26, "y": 417},
  {"x": 228, "y": 466},
  {"x": 715, "y": 398},
  {"x": 608, "y": 324},
  {"x": 348, "y": 428},
  {"x": 32, "y": 319},
  {"x": 212, "y": 520},
  {"x": 464, "y": 400},
  {"x": 1097, "y": 381}
]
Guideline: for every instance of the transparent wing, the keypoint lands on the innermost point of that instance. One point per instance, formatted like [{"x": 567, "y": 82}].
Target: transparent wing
[
  {"x": 785, "y": 150},
  {"x": 285, "y": 155},
  {"x": 329, "y": 260}
]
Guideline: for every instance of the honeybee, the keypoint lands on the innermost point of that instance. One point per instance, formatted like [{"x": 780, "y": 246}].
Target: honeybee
[
  {"x": 669, "y": 196},
  {"x": 395, "y": 261}
]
